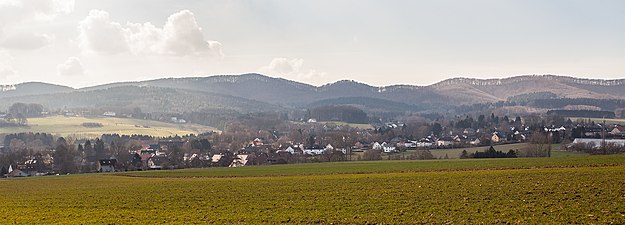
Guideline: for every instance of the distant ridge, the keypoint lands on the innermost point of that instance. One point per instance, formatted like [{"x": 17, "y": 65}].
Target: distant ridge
[
  {"x": 254, "y": 91},
  {"x": 510, "y": 80}
]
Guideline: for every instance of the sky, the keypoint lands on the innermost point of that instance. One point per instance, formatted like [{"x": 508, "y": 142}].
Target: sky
[{"x": 90, "y": 42}]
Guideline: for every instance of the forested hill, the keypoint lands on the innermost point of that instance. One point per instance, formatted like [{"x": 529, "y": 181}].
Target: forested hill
[
  {"x": 256, "y": 92},
  {"x": 32, "y": 88}
]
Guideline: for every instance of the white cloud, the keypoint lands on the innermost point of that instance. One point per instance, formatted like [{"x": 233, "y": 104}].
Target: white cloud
[
  {"x": 180, "y": 36},
  {"x": 292, "y": 69},
  {"x": 26, "y": 41},
  {"x": 71, "y": 67},
  {"x": 99, "y": 34}
]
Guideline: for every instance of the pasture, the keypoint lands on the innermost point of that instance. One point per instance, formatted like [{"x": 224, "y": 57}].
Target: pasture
[
  {"x": 72, "y": 126},
  {"x": 576, "y": 189}
]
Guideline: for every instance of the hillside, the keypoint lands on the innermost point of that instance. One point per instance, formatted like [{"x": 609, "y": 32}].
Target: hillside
[
  {"x": 149, "y": 99},
  {"x": 452, "y": 91},
  {"x": 256, "y": 92},
  {"x": 490, "y": 90},
  {"x": 32, "y": 88}
]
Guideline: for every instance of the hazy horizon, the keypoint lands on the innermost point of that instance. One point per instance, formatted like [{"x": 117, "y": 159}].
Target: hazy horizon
[{"x": 87, "y": 43}]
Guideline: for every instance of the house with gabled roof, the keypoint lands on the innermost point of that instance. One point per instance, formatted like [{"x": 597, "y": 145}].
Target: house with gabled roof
[
  {"x": 106, "y": 165},
  {"x": 16, "y": 172},
  {"x": 498, "y": 137},
  {"x": 618, "y": 131}
]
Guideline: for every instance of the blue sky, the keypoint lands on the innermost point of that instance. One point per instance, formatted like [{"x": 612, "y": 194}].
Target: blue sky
[{"x": 91, "y": 42}]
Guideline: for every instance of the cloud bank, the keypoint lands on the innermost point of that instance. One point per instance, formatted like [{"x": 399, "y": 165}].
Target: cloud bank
[
  {"x": 180, "y": 36},
  {"x": 291, "y": 68}
]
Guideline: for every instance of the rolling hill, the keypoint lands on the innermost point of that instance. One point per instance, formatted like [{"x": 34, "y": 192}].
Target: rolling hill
[{"x": 256, "y": 92}]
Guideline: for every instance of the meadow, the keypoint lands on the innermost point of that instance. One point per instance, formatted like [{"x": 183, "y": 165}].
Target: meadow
[
  {"x": 576, "y": 189},
  {"x": 72, "y": 126}
]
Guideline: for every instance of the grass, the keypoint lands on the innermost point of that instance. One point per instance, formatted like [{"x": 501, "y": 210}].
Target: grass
[
  {"x": 600, "y": 120},
  {"x": 591, "y": 192},
  {"x": 72, "y": 126}
]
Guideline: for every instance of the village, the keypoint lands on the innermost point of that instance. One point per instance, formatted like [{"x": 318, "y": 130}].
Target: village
[
  {"x": 29, "y": 154},
  {"x": 37, "y": 154}
]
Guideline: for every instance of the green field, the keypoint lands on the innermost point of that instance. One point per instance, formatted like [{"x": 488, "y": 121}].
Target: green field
[
  {"x": 565, "y": 190},
  {"x": 72, "y": 126},
  {"x": 600, "y": 120},
  {"x": 454, "y": 153}
]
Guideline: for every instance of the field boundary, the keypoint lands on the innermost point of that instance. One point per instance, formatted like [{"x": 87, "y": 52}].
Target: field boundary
[{"x": 376, "y": 172}]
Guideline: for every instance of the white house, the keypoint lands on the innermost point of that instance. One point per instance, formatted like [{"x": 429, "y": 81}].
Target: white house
[
  {"x": 376, "y": 146},
  {"x": 389, "y": 148},
  {"x": 424, "y": 143},
  {"x": 314, "y": 151},
  {"x": 445, "y": 141}
]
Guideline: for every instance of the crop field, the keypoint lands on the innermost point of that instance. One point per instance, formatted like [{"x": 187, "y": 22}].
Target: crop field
[
  {"x": 72, "y": 126},
  {"x": 565, "y": 190}
]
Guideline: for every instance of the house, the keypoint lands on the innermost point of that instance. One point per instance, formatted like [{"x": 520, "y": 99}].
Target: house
[
  {"x": 407, "y": 144},
  {"x": 33, "y": 166},
  {"x": 16, "y": 172},
  {"x": 222, "y": 159},
  {"x": 156, "y": 162},
  {"x": 106, "y": 165},
  {"x": 360, "y": 146},
  {"x": 293, "y": 149},
  {"x": 618, "y": 131},
  {"x": 314, "y": 150},
  {"x": 257, "y": 142},
  {"x": 242, "y": 160},
  {"x": 498, "y": 137},
  {"x": 445, "y": 141},
  {"x": 424, "y": 143},
  {"x": 592, "y": 131},
  {"x": 376, "y": 146},
  {"x": 475, "y": 141},
  {"x": 389, "y": 148}
]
